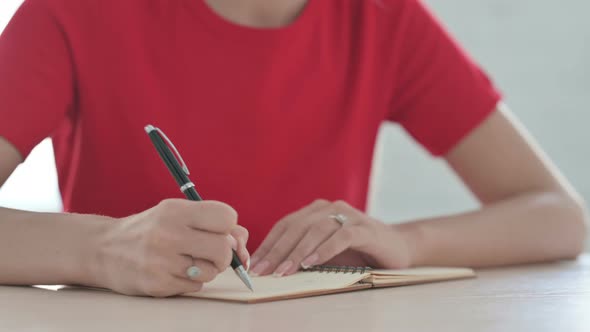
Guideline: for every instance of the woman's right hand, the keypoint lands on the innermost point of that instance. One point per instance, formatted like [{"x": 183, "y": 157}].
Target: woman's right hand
[{"x": 149, "y": 253}]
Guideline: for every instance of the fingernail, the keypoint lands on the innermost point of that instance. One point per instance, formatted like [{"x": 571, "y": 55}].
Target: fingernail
[
  {"x": 234, "y": 242},
  {"x": 259, "y": 268},
  {"x": 248, "y": 265},
  {"x": 282, "y": 269},
  {"x": 255, "y": 260},
  {"x": 310, "y": 261}
]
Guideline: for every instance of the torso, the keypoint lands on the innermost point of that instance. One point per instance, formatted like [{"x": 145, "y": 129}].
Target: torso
[{"x": 266, "y": 120}]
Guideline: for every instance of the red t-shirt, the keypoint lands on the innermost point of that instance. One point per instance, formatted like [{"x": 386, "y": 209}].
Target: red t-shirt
[{"x": 267, "y": 120}]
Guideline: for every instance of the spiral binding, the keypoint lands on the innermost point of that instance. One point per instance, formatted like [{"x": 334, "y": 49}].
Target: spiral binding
[{"x": 338, "y": 269}]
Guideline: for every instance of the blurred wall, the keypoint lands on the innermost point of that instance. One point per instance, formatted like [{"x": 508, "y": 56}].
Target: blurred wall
[{"x": 538, "y": 53}]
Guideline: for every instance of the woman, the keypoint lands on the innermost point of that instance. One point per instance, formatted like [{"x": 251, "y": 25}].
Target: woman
[{"x": 275, "y": 106}]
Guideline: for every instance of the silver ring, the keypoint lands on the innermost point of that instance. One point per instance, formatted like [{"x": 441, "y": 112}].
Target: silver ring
[
  {"x": 186, "y": 186},
  {"x": 193, "y": 272},
  {"x": 342, "y": 219}
]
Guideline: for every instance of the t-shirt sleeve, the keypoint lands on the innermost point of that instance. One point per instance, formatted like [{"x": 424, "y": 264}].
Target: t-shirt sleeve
[
  {"x": 440, "y": 94},
  {"x": 36, "y": 85}
]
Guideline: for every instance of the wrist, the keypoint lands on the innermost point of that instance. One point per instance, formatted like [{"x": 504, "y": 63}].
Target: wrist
[
  {"x": 412, "y": 235},
  {"x": 87, "y": 263}
]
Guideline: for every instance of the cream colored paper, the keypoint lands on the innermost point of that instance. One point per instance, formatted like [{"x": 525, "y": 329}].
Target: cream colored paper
[
  {"x": 424, "y": 272},
  {"x": 227, "y": 286}
]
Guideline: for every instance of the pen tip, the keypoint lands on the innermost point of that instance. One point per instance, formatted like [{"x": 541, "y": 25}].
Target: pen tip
[
  {"x": 248, "y": 282},
  {"x": 243, "y": 275}
]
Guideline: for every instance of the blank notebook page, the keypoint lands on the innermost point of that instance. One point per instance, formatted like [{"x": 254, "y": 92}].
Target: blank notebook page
[{"x": 227, "y": 286}]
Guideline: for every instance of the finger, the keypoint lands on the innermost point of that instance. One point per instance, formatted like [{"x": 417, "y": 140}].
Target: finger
[
  {"x": 233, "y": 242},
  {"x": 276, "y": 260},
  {"x": 241, "y": 235},
  {"x": 288, "y": 240},
  {"x": 269, "y": 241},
  {"x": 281, "y": 226},
  {"x": 315, "y": 236},
  {"x": 284, "y": 245},
  {"x": 210, "y": 216},
  {"x": 216, "y": 248},
  {"x": 206, "y": 270},
  {"x": 320, "y": 232},
  {"x": 336, "y": 244},
  {"x": 165, "y": 285},
  {"x": 185, "y": 286}
]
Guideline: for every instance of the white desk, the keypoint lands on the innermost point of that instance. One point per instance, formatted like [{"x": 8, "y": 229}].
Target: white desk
[{"x": 551, "y": 297}]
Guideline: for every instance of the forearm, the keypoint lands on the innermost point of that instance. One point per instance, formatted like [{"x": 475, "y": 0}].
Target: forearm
[
  {"x": 529, "y": 228},
  {"x": 47, "y": 248}
]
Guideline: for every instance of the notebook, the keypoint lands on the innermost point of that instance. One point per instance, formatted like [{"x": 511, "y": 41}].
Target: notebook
[{"x": 320, "y": 281}]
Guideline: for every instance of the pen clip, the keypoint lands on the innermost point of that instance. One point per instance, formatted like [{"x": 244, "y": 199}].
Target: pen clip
[{"x": 150, "y": 128}]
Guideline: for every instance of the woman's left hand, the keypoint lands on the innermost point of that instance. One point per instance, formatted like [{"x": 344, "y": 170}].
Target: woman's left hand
[{"x": 314, "y": 235}]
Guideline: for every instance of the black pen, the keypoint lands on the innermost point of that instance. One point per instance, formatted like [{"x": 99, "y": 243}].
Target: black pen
[{"x": 180, "y": 174}]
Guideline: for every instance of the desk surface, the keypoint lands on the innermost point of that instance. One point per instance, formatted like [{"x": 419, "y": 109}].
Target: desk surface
[{"x": 551, "y": 297}]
